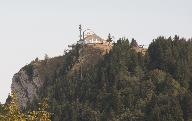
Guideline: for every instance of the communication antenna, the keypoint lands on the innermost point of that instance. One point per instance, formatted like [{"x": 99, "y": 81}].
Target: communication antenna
[
  {"x": 80, "y": 38},
  {"x": 80, "y": 30}
]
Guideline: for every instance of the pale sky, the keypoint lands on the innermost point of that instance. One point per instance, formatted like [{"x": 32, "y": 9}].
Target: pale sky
[{"x": 31, "y": 28}]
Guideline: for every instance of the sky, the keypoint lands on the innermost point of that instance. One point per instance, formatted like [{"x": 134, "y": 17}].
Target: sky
[{"x": 33, "y": 28}]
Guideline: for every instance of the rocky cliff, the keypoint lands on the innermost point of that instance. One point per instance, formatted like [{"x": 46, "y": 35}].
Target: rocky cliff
[{"x": 25, "y": 86}]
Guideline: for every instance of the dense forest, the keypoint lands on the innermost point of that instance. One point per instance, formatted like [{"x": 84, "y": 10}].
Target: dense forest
[{"x": 123, "y": 86}]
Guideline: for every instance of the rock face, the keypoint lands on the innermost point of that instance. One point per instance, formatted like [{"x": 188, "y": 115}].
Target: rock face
[{"x": 25, "y": 86}]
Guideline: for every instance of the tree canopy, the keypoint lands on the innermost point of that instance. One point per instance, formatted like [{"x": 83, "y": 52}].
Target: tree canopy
[{"x": 123, "y": 86}]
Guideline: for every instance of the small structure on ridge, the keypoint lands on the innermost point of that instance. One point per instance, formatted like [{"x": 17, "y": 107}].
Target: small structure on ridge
[{"x": 89, "y": 37}]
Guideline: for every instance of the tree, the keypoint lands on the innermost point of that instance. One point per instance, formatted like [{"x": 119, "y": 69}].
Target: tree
[
  {"x": 41, "y": 114},
  {"x": 134, "y": 43},
  {"x": 186, "y": 104},
  {"x": 11, "y": 112},
  {"x": 109, "y": 39}
]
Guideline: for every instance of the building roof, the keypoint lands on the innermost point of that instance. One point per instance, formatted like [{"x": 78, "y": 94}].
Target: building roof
[{"x": 93, "y": 38}]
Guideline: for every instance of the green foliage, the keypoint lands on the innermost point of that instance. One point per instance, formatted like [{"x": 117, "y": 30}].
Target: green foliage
[
  {"x": 11, "y": 112},
  {"x": 134, "y": 43},
  {"x": 109, "y": 39},
  {"x": 29, "y": 70},
  {"x": 1, "y": 108},
  {"x": 41, "y": 114},
  {"x": 173, "y": 56},
  {"x": 164, "y": 108}
]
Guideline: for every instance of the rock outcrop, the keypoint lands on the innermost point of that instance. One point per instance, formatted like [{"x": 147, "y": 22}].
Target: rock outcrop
[{"x": 25, "y": 86}]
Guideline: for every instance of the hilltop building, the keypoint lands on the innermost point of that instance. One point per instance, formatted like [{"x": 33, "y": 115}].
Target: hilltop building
[{"x": 91, "y": 39}]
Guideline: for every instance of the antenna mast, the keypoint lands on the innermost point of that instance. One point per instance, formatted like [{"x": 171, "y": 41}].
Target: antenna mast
[{"x": 80, "y": 30}]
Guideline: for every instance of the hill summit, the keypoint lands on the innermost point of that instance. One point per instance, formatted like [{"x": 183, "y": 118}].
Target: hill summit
[
  {"x": 31, "y": 78},
  {"x": 105, "y": 81}
]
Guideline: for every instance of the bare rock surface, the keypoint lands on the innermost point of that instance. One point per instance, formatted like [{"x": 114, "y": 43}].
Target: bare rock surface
[{"x": 25, "y": 86}]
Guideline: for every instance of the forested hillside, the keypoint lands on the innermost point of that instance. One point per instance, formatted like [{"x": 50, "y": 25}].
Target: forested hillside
[{"x": 121, "y": 84}]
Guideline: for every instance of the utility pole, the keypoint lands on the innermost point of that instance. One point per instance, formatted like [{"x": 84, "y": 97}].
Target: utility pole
[
  {"x": 80, "y": 38},
  {"x": 80, "y": 30}
]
